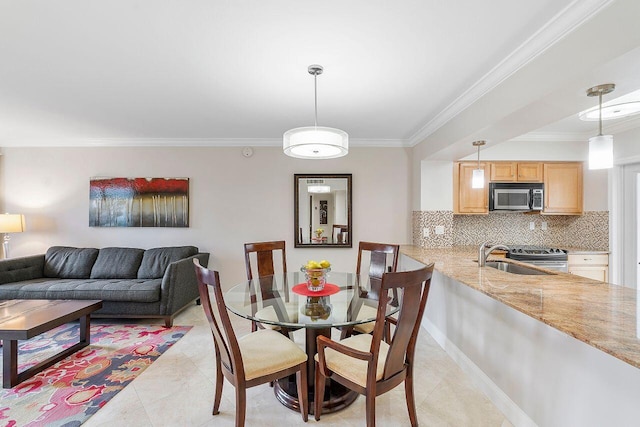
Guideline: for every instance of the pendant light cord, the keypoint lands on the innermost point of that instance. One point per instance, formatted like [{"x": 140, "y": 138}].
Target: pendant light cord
[
  {"x": 315, "y": 94},
  {"x": 478, "y": 156},
  {"x": 600, "y": 113}
]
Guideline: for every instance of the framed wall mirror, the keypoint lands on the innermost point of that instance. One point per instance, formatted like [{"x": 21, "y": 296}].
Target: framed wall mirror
[{"x": 322, "y": 210}]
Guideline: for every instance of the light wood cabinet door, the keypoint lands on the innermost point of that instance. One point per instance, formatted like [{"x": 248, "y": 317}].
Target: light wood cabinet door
[
  {"x": 530, "y": 172},
  {"x": 563, "y": 188},
  {"x": 504, "y": 171},
  {"x": 468, "y": 200},
  {"x": 516, "y": 171},
  {"x": 600, "y": 273},
  {"x": 592, "y": 266}
]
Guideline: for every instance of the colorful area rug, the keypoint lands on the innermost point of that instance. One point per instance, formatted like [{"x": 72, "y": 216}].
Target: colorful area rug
[{"x": 69, "y": 392}]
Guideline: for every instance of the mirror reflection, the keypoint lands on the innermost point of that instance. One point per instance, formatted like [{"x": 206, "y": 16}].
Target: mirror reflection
[{"x": 322, "y": 210}]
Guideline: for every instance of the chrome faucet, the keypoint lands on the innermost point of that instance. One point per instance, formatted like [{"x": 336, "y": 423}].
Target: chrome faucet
[{"x": 484, "y": 253}]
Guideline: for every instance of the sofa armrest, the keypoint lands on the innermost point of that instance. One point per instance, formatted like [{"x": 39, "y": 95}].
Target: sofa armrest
[
  {"x": 179, "y": 284},
  {"x": 19, "y": 269}
]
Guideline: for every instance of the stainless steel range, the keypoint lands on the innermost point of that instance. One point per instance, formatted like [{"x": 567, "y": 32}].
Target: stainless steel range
[{"x": 550, "y": 258}]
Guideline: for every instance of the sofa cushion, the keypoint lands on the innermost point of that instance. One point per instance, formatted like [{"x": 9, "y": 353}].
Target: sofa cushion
[
  {"x": 124, "y": 290},
  {"x": 155, "y": 261},
  {"x": 25, "y": 268},
  {"x": 117, "y": 263},
  {"x": 69, "y": 263}
]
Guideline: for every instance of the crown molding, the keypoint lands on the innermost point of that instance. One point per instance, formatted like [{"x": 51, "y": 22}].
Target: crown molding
[
  {"x": 182, "y": 142},
  {"x": 571, "y": 17}
]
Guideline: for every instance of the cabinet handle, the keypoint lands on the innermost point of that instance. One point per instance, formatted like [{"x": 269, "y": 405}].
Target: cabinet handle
[{"x": 587, "y": 259}]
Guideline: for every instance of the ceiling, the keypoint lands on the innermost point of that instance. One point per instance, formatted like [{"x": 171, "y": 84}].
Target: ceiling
[{"x": 213, "y": 72}]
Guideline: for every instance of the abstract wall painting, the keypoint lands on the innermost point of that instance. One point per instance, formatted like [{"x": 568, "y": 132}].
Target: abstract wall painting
[
  {"x": 139, "y": 202},
  {"x": 323, "y": 212}
]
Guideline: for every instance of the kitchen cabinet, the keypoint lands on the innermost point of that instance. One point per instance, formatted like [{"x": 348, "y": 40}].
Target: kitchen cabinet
[
  {"x": 516, "y": 171},
  {"x": 592, "y": 266},
  {"x": 468, "y": 200},
  {"x": 563, "y": 188}
]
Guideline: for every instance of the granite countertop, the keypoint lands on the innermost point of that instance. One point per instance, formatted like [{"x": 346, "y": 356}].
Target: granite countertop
[{"x": 602, "y": 315}]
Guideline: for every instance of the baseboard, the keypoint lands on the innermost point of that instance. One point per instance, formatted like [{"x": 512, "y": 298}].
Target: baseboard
[{"x": 514, "y": 414}]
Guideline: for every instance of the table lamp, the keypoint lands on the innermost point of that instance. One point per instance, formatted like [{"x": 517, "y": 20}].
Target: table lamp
[{"x": 10, "y": 223}]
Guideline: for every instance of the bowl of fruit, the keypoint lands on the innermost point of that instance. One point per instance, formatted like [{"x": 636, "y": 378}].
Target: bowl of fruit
[{"x": 316, "y": 274}]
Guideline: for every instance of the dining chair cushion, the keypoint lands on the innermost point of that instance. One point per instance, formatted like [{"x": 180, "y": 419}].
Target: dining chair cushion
[
  {"x": 351, "y": 368},
  {"x": 269, "y": 313},
  {"x": 265, "y": 352},
  {"x": 366, "y": 312}
]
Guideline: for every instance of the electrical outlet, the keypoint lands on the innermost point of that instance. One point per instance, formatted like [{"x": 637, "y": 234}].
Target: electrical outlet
[
  {"x": 425, "y": 232},
  {"x": 532, "y": 225},
  {"x": 439, "y": 229},
  {"x": 544, "y": 225}
]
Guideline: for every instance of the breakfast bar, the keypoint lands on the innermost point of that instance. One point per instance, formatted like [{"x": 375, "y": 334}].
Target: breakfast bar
[{"x": 550, "y": 349}]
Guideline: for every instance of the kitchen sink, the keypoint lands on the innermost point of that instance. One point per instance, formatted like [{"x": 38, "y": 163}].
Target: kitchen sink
[{"x": 514, "y": 268}]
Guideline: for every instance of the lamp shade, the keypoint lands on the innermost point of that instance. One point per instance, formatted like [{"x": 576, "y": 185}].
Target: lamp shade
[
  {"x": 315, "y": 143},
  {"x": 601, "y": 152},
  {"x": 11, "y": 223},
  {"x": 319, "y": 189},
  {"x": 477, "y": 179}
]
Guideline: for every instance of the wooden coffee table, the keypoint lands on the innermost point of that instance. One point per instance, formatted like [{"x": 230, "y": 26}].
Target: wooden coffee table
[{"x": 24, "y": 319}]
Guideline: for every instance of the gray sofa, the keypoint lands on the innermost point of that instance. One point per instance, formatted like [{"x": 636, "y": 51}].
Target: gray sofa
[{"x": 131, "y": 282}]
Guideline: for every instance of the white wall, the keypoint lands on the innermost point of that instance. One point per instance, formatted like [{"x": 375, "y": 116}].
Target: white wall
[
  {"x": 233, "y": 199},
  {"x": 623, "y": 229},
  {"x": 626, "y": 147},
  {"x": 436, "y": 189}
]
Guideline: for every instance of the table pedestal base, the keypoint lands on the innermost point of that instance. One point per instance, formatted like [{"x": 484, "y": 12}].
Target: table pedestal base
[{"x": 336, "y": 396}]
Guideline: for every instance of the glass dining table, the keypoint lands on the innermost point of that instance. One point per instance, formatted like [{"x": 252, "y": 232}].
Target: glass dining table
[{"x": 283, "y": 300}]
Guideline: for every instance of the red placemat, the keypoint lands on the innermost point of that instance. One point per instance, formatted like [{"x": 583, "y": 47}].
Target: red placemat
[{"x": 329, "y": 289}]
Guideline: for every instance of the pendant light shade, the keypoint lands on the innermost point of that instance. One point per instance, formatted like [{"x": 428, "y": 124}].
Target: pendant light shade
[
  {"x": 477, "y": 179},
  {"x": 601, "y": 146},
  {"x": 315, "y": 142},
  {"x": 601, "y": 152},
  {"x": 319, "y": 189}
]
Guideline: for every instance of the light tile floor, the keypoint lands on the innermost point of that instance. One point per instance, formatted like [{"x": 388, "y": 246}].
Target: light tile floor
[{"x": 177, "y": 390}]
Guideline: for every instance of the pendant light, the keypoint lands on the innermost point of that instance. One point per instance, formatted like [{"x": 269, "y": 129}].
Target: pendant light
[
  {"x": 315, "y": 142},
  {"x": 477, "y": 180},
  {"x": 601, "y": 146}
]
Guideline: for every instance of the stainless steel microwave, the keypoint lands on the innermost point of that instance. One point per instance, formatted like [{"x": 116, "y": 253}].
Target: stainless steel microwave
[{"x": 516, "y": 196}]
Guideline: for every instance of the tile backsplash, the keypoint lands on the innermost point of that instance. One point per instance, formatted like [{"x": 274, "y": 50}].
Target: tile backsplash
[{"x": 588, "y": 231}]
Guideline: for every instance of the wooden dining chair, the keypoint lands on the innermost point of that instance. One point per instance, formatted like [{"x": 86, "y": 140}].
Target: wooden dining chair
[
  {"x": 265, "y": 254},
  {"x": 383, "y": 258},
  {"x": 338, "y": 233},
  {"x": 257, "y": 358},
  {"x": 367, "y": 364}
]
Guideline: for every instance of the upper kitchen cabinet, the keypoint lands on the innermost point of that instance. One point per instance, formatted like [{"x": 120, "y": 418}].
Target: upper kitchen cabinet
[
  {"x": 563, "y": 188},
  {"x": 468, "y": 200},
  {"x": 516, "y": 171}
]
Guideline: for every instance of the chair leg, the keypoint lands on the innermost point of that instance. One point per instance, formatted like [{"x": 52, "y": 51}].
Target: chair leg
[
  {"x": 411, "y": 403},
  {"x": 346, "y": 332},
  {"x": 219, "y": 384},
  {"x": 241, "y": 405},
  {"x": 371, "y": 408},
  {"x": 303, "y": 391},
  {"x": 318, "y": 392}
]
